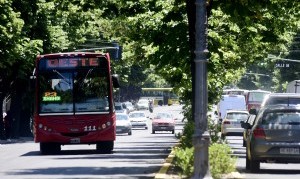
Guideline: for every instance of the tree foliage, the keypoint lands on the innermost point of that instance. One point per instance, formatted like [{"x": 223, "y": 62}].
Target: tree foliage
[{"x": 157, "y": 38}]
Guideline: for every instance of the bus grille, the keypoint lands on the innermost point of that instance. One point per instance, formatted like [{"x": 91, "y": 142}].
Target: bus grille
[{"x": 75, "y": 134}]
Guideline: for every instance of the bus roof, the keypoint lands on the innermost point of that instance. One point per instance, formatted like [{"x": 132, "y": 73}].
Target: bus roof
[
  {"x": 71, "y": 54},
  {"x": 157, "y": 89}
]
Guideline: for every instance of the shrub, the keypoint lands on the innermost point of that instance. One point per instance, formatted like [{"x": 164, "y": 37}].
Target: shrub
[
  {"x": 220, "y": 160},
  {"x": 187, "y": 136},
  {"x": 214, "y": 130},
  {"x": 184, "y": 159}
]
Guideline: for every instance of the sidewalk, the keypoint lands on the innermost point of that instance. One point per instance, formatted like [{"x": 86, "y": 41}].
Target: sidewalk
[{"x": 17, "y": 140}]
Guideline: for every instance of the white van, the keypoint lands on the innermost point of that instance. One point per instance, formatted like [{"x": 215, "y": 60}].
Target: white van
[{"x": 231, "y": 102}]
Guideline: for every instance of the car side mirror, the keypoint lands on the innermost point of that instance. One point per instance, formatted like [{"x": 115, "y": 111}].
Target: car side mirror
[
  {"x": 245, "y": 125},
  {"x": 253, "y": 111}
]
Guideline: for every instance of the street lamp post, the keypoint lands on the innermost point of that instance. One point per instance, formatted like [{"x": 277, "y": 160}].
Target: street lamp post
[{"x": 201, "y": 135}]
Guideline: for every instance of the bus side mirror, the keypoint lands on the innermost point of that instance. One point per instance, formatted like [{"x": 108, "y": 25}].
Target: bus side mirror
[
  {"x": 32, "y": 80},
  {"x": 115, "y": 80},
  {"x": 253, "y": 111}
]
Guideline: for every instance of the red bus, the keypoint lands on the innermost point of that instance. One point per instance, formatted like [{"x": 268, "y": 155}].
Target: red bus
[
  {"x": 74, "y": 101},
  {"x": 254, "y": 98}
]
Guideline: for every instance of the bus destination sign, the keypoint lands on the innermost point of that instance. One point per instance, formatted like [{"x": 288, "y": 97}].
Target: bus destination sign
[
  {"x": 51, "y": 96},
  {"x": 72, "y": 62}
]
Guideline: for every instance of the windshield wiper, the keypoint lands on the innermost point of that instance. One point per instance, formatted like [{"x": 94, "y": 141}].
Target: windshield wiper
[
  {"x": 87, "y": 74},
  {"x": 63, "y": 77}
]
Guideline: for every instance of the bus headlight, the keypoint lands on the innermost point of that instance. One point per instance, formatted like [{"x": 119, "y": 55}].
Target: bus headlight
[
  {"x": 40, "y": 126},
  {"x": 103, "y": 126}
]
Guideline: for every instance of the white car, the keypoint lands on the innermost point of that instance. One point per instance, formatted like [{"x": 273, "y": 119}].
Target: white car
[
  {"x": 231, "y": 125},
  {"x": 119, "y": 108},
  {"x": 123, "y": 124},
  {"x": 129, "y": 106},
  {"x": 138, "y": 119},
  {"x": 142, "y": 104}
]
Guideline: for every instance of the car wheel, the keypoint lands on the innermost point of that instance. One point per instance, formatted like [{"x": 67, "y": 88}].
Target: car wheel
[
  {"x": 146, "y": 127},
  {"x": 130, "y": 132},
  {"x": 173, "y": 131},
  {"x": 247, "y": 161},
  {"x": 153, "y": 131},
  {"x": 254, "y": 166},
  {"x": 49, "y": 148},
  {"x": 244, "y": 143}
]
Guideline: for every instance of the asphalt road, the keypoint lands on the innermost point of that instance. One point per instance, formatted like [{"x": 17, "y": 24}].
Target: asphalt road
[
  {"x": 140, "y": 155},
  {"x": 268, "y": 170}
]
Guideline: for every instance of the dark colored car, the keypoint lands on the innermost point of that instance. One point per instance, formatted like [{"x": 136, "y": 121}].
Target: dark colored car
[
  {"x": 163, "y": 121},
  {"x": 274, "y": 137},
  {"x": 286, "y": 99}
]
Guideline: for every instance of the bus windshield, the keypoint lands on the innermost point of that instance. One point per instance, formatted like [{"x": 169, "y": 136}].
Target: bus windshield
[{"x": 74, "y": 90}]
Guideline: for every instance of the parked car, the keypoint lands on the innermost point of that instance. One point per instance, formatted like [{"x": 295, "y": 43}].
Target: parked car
[
  {"x": 123, "y": 124},
  {"x": 163, "y": 121},
  {"x": 119, "y": 108},
  {"x": 274, "y": 137},
  {"x": 246, "y": 132},
  {"x": 231, "y": 125},
  {"x": 142, "y": 104},
  {"x": 138, "y": 119},
  {"x": 129, "y": 106}
]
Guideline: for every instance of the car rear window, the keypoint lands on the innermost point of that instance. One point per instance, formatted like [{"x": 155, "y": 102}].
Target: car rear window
[
  {"x": 284, "y": 101},
  {"x": 291, "y": 118},
  {"x": 237, "y": 116}
]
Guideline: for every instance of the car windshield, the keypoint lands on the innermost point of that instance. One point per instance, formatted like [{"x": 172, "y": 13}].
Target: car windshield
[
  {"x": 136, "y": 115},
  {"x": 118, "y": 107},
  {"x": 237, "y": 116},
  {"x": 122, "y": 117},
  {"x": 143, "y": 102},
  {"x": 163, "y": 116},
  {"x": 282, "y": 117}
]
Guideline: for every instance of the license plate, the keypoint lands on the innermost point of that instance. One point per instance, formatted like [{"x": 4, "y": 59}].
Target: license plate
[
  {"x": 163, "y": 127},
  {"x": 75, "y": 141},
  {"x": 119, "y": 130},
  {"x": 289, "y": 150}
]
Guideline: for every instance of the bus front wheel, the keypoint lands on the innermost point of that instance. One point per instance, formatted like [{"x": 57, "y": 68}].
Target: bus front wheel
[
  {"x": 105, "y": 147},
  {"x": 49, "y": 148}
]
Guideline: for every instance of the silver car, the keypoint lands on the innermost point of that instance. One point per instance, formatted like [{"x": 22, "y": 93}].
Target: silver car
[
  {"x": 286, "y": 99},
  {"x": 274, "y": 137},
  {"x": 138, "y": 119},
  {"x": 231, "y": 125},
  {"x": 123, "y": 124}
]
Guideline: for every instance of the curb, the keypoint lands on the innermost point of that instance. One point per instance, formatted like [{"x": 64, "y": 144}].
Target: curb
[
  {"x": 162, "y": 173},
  {"x": 16, "y": 140}
]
